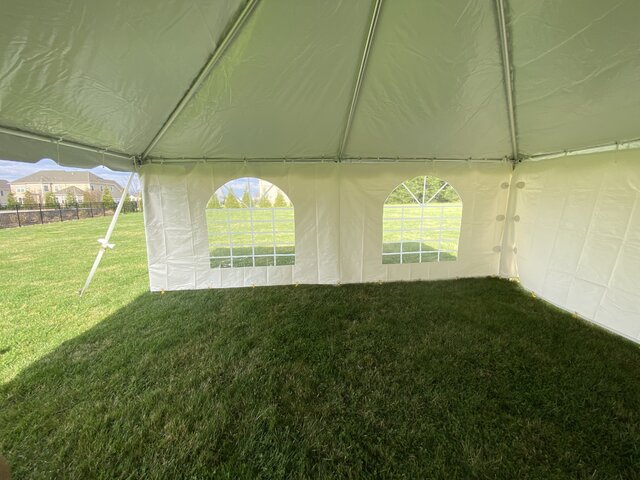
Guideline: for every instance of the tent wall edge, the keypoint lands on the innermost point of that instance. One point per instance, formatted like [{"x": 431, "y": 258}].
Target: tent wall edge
[
  {"x": 587, "y": 320},
  {"x": 573, "y": 234}
]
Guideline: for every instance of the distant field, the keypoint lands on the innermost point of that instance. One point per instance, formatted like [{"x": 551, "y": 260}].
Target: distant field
[{"x": 411, "y": 234}]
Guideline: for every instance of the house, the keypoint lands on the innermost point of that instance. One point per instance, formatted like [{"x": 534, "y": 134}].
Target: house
[
  {"x": 61, "y": 183},
  {"x": 5, "y": 189}
]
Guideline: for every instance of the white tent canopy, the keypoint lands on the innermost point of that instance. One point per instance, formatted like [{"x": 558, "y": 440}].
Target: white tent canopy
[
  {"x": 304, "y": 79},
  {"x": 301, "y": 93}
]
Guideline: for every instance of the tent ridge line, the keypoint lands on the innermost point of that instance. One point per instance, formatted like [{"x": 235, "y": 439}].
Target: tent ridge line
[
  {"x": 204, "y": 73},
  {"x": 508, "y": 77},
  {"x": 66, "y": 143},
  {"x": 360, "y": 77}
]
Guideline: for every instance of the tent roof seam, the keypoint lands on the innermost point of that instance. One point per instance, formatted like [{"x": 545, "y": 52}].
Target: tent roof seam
[
  {"x": 360, "y": 77},
  {"x": 203, "y": 74}
]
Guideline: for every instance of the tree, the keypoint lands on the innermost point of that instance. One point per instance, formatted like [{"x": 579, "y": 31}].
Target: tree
[
  {"x": 280, "y": 200},
  {"x": 11, "y": 200},
  {"x": 214, "y": 202},
  {"x": 87, "y": 197},
  {"x": 50, "y": 200},
  {"x": 422, "y": 189},
  {"x": 448, "y": 194},
  {"x": 246, "y": 198},
  {"x": 29, "y": 201},
  {"x": 107, "y": 199},
  {"x": 231, "y": 200},
  {"x": 70, "y": 200},
  {"x": 264, "y": 202}
]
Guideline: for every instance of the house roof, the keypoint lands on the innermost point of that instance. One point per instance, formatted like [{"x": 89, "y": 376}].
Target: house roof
[
  {"x": 4, "y": 184},
  {"x": 64, "y": 176}
]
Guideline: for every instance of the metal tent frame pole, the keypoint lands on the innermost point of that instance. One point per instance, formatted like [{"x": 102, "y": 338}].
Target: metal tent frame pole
[
  {"x": 104, "y": 242},
  {"x": 607, "y": 147},
  {"x": 508, "y": 77},
  {"x": 204, "y": 73},
  {"x": 319, "y": 159},
  {"x": 359, "y": 79}
]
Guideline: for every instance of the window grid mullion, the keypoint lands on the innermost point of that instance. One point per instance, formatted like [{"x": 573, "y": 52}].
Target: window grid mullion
[
  {"x": 435, "y": 235},
  {"x": 259, "y": 235}
]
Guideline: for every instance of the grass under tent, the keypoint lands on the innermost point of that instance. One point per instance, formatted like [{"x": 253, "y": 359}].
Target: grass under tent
[{"x": 451, "y": 379}]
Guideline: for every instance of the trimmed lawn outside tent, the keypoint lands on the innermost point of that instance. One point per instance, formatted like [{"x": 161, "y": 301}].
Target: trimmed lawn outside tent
[
  {"x": 452, "y": 379},
  {"x": 403, "y": 227},
  {"x": 271, "y": 226}
]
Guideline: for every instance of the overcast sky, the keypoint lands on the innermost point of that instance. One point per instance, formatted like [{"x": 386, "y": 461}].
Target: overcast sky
[{"x": 13, "y": 170}]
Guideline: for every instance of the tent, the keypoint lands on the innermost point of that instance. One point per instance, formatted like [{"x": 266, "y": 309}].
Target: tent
[{"x": 530, "y": 109}]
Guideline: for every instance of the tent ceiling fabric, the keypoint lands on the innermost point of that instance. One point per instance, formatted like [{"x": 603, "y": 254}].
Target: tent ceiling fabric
[
  {"x": 109, "y": 75},
  {"x": 434, "y": 84},
  {"x": 577, "y": 73},
  {"x": 282, "y": 89},
  {"x": 102, "y": 73}
]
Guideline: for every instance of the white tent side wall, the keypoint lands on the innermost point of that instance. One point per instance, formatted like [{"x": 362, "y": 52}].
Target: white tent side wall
[
  {"x": 577, "y": 241},
  {"x": 338, "y": 222}
]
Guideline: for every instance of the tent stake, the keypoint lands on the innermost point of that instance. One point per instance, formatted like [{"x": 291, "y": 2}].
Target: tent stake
[{"x": 104, "y": 242}]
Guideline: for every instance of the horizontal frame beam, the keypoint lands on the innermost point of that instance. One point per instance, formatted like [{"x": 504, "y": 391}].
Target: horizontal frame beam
[
  {"x": 607, "y": 147},
  {"x": 66, "y": 143},
  {"x": 320, "y": 159}
]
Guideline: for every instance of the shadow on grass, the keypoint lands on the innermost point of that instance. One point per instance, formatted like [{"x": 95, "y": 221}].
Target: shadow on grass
[{"x": 447, "y": 379}]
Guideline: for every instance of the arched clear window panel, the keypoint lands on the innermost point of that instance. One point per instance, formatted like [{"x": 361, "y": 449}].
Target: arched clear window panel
[
  {"x": 421, "y": 222},
  {"x": 251, "y": 224}
]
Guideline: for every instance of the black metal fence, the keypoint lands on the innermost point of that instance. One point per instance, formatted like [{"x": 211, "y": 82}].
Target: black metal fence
[{"x": 22, "y": 215}]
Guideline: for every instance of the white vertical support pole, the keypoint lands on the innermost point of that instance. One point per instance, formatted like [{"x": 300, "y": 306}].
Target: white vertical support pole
[
  {"x": 359, "y": 79},
  {"x": 508, "y": 78},
  {"x": 104, "y": 242}
]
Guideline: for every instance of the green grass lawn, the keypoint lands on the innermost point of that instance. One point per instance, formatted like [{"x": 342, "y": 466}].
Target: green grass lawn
[
  {"x": 456, "y": 379},
  {"x": 269, "y": 230}
]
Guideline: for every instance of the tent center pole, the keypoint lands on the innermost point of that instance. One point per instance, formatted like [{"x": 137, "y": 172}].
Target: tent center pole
[{"x": 104, "y": 242}]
